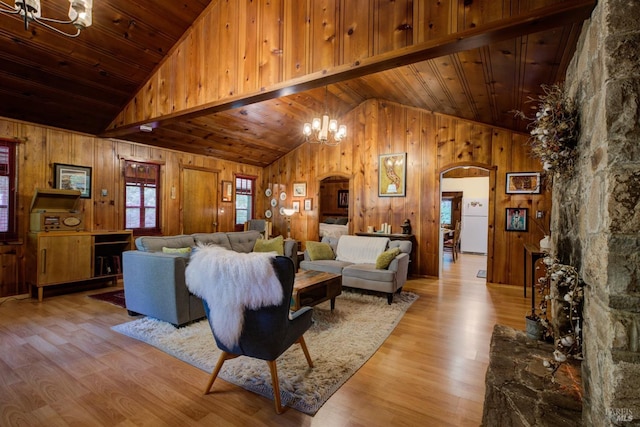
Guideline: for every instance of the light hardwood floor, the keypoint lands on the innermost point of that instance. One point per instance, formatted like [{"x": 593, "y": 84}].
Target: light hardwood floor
[{"x": 61, "y": 364}]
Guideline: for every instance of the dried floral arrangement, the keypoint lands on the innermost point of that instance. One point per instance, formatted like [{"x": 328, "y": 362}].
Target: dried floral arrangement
[
  {"x": 561, "y": 287},
  {"x": 554, "y": 129}
]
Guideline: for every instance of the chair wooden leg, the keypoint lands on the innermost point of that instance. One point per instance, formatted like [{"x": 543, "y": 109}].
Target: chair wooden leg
[
  {"x": 223, "y": 357},
  {"x": 303, "y": 344},
  {"x": 276, "y": 386}
]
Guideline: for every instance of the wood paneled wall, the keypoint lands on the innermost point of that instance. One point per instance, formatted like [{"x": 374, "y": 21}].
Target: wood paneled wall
[
  {"x": 433, "y": 143},
  {"x": 40, "y": 147},
  {"x": 240, "y": 47}
]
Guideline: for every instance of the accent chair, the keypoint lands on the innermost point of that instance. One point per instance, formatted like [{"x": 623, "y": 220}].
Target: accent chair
[{"x": 268, "y": 331}]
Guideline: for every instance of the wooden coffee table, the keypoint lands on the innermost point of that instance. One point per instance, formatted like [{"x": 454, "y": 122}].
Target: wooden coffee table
[{"x": 313, "y": 287}]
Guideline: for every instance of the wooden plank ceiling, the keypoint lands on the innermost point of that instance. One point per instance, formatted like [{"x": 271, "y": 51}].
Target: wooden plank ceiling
[{"x": 81, "y": 84}]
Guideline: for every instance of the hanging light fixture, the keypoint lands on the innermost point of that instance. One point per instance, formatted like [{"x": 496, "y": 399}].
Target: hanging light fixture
[
  {"x": 324, "y": 130},
  {"x": 30, "y": 11}
]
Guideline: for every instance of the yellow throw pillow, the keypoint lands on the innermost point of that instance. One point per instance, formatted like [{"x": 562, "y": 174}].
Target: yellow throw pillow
[
  {"x": 185, "y": 252},
  {"x": 385, "y": 258},
  {"x": 273, "y": 245},
  {"x": 318, "y": 250}
]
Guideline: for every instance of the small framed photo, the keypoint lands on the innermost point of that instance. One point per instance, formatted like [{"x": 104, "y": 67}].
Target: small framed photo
[
  {"x": 517, "y": 219},
  {"x": 70, "y": 177},
  {"x": 523, "y": 183},
  {"x": 299, "y": 189},
  {"x": 308, "y": 204},
  {"x": 343, "y": 198},
  {"x": 296, "y": 205},
  {"x": 227, "y": 191}
]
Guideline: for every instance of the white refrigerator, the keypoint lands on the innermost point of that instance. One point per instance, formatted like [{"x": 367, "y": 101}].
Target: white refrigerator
[{"x": 475, "y": 225}]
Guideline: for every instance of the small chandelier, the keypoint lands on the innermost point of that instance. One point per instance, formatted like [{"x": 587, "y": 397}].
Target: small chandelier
[
  {"x": 29, "y": 10},
  {"x": 324, "y": 130}
]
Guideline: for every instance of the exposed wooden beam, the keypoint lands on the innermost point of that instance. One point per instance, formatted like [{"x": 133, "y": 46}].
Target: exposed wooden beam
[{"x": 537, "y": 20}]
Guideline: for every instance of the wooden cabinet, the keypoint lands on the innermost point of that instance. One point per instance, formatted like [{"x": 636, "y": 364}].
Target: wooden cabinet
[{"x": 61, "y": 257}]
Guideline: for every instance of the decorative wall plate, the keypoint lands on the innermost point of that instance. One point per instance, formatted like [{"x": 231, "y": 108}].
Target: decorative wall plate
[
  {"x": 283, "y": 196},
  {"x": 274, "y": 202},
  {"x": 267, "y": 213},
  {"x": 281, "y": 210},
  {"x": 267, "y": 192}
]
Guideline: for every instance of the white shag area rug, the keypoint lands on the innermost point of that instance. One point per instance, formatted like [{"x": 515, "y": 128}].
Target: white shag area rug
[{"x": 339, "y": 342}]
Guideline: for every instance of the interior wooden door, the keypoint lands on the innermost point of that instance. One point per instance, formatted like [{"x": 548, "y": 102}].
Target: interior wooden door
[{"x": 199, "y": 200}]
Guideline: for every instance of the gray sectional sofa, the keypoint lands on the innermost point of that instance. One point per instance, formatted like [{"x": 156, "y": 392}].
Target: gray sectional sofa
[
  {"x": 154, "y": 282},
  {"x": 354, "y": 257}
]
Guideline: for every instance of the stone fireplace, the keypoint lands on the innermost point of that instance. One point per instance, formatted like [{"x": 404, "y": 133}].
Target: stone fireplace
[{"x": 596, "y": 212}]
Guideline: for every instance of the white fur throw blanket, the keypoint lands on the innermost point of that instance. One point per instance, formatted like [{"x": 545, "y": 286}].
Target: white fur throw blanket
[
  {"x": 230, "y": 282},
  {"x": 360, "y": 249}
]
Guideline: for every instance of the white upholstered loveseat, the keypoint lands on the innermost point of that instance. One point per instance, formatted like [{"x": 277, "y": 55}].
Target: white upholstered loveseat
[{"x": 354, "y": 257}]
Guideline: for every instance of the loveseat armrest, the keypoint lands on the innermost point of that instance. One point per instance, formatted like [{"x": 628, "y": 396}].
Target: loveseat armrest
[
  {"x": 295, "y": 314},
  {"x": 400, "y": 264},
  {"x": 291, "y": 251}
]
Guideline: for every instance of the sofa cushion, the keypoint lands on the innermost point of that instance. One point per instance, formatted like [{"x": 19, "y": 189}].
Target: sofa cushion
[
  {"x": 360, "y": 249},
  {"x": 184, "y": 252},
  {"x": 403, "y": 245},
  {"x": 272, "y": 245},
  {"x": 319, "y": 250},
  {"x": 156, "y": 243},
  {"x": 385, "y": 258},
  {"x": 326, "y": 265},
  {"x": 368, "y": 272},
  {"x": 218, "y": 239},
  {"x": 243, "y": 241},
  {"x": 332, "y": 241}
]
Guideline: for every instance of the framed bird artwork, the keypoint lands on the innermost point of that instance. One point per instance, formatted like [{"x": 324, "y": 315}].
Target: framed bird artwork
[{"x": 392, "y": 175}]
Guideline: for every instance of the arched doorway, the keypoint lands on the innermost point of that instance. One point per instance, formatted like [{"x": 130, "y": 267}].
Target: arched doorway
[
  {"x": 334, "y": 196},
  {"x": 467, "y": 197}
]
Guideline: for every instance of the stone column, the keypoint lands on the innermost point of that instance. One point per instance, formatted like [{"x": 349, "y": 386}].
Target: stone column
[{"x": 596, "y": 212}]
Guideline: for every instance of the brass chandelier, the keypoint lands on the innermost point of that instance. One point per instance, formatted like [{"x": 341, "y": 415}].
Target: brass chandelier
[{"x": 324, "y": 130}]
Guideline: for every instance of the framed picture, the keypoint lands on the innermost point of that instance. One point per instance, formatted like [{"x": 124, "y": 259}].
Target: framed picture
[
  {"x": 299, "y": 189},
  {"x": 308, "y": 204},
  {"x": 296, "y": 206},
  {"x": 343, "y": 198},
  {"x": 70, "y": 177},
  {"x": 517, "y": 219},
  {"x": 392, "y": 173},
  {"x": 523, "y": 183},
  {"x": 227, "y": 191}
]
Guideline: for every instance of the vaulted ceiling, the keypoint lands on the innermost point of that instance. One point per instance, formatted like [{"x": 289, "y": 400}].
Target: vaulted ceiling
[{"x": 81, "y": 84}]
